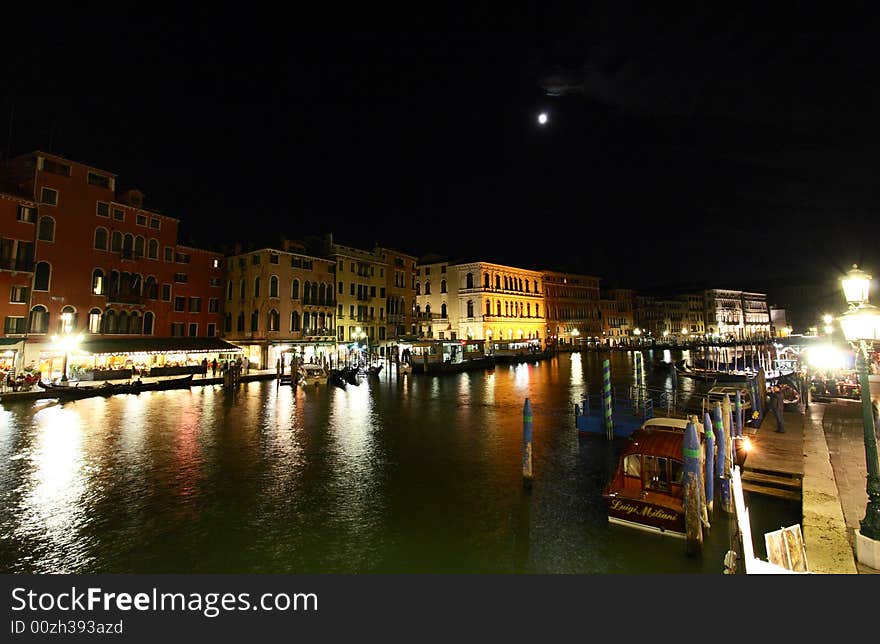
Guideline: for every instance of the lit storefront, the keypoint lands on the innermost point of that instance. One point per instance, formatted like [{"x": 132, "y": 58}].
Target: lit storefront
[{"x": 115, "y": 358}]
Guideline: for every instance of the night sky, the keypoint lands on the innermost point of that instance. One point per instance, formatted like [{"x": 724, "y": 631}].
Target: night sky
[{"x": 709, "y": 149}]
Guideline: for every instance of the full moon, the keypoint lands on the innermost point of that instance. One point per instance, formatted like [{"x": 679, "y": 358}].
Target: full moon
[{"x": 542, "y": 118}]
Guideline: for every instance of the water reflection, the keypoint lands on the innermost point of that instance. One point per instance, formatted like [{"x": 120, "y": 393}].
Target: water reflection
[{"x": 411, "y": 474}]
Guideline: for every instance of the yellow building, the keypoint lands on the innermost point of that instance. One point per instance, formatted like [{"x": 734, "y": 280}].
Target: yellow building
[
  {"x": 479, "y": 300},
  {"x": 360, "y": 296},
  {"x": 278, "y": 300}
]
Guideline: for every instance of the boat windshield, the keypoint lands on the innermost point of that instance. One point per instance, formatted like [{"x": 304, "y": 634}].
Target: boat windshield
[
  {"x": 656, "y": 474},
  {"x": 632, "y": 465}
]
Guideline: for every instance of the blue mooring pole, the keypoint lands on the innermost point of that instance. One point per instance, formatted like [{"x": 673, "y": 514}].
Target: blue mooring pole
[
  {"x": 722, "y": 470},
  {"x": 527, "y": 444},
  {"x": 710, "y": 461},
  {"x": 693, "y": 525}
]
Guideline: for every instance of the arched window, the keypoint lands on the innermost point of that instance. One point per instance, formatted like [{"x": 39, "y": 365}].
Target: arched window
[
  {"x": 294, "y": 321},
  {"x": 427, "y": 288},
  {"x": 39, "y": 320},
  {"x": 239, "y": 323},
  {"x": 67, "y": 320},
  {"x": 527, "y": 286},
  {"x": 151, "y": 288},
  {"x": 418, "y": 288},
  {"x": 322, "y": 292},
  {"x": 116, "y": 242},
  {"x": 485, "y": 280},
  {"x": 128, "y": 244},
  {"x": 528, "y": 308},
  {"x": 113, "y": 283},
  {"x": 138, "y": 246},
  {"x": 135, "y": 323},
  {"x": 488, "y": 307},
  {"x": 314, "y": 292},
  {"x": 241, "y": 290},
  {"x": 229, "y": 291},
  {"x": 153, "y": 249},
  {"x": 535, "y": 282},
  {"x": 149, "y": 321},
  {"x": 42, "y": 276},
  {"x": 498, "y": 307},
  {"x": 307, "y": 294},
  {"x": 470, "y": 309},
  {"x": 101, "y": 238},
  {"x": 294, "y": 290},
  {"x": 274, "y": 320},
  {"x": 227, "y": 323},
  {"x": 98, "y": 286},
  {"x": 134, "y": 284},
  {"x": 428, "y": 311},
  {"x": 321, "y": 326},
  {"x": 497, "y": 281},
  {"x": 537, "y": 311},
  {"x": 273, "y": 287},
  {"x": 442, "y": 286},
  {"x": 122, "y": 322},
  {"x": 255, "y": 321},
  {"x": 46, "y": 229},
  {"x": 95, "y": 321},
  {"x": 110, "y": 321},
  {"x": 257, "y": 286},
  {"x": 469, "y": 280},
  {"x": 307, "y": 322},
  {"x": 443, "y": 310}
]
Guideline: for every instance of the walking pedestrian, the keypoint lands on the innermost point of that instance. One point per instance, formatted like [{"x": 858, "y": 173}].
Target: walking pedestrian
[
  {"x": 204, "y": 367},
  {"x": 214, "y": 368},
  {"x": 777, "y": 407}
]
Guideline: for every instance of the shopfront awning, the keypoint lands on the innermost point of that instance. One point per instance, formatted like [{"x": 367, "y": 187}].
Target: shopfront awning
[
  {"x": 156, "y": 345},
  {"x": 8, "y": 342}
]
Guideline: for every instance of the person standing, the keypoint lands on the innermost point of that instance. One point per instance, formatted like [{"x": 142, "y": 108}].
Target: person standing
[
  {"x": 204, "y": 367},
  {"x": 214, "y": 368},
  {"x": 777, "y": 407}
]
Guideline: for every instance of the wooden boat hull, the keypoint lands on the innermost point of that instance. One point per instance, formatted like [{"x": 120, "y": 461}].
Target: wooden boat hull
[
  {"x": 642, "y": 515},
  {"x": 63, "y": 392},
  {"x": 452, "y": 367}
]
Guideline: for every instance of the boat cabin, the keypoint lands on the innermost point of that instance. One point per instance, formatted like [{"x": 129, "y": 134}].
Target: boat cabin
[
  {"x": 435, "y": 352},
  {"x": 515, "y": 347},
  {"x": 716, "y": 394},
  {"x": 647, "y": 489}
]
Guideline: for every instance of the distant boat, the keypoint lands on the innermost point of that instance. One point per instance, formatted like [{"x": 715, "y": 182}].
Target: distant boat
[
  {"x": 312, "y": 374},
  {"x": 75, "y": 392},
  {"x": 373, "y": 370}
]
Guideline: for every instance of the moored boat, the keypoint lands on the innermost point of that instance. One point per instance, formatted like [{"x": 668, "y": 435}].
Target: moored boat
[
  {"x": 647, "y": 489},
  {"x": 76, "y": 392},
  {"x": 309, "y": 375}
]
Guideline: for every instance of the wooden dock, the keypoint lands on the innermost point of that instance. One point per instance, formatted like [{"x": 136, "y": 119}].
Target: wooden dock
[{"x": 775, "y": 465}]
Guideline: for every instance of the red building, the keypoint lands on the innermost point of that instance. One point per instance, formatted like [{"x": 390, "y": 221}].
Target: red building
[
  {"x": 18, "y": 216},
  {"x": 102, "y": 266}
]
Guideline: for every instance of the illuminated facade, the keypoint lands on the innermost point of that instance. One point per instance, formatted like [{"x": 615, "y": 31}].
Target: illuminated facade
[
  {"x": 479, "y": 300},
  {"x": 360, "y": 295},
  {"x": 276, "y": 300},
  {"x": 736, "y": 314},
  {"x": 103, "y": 265}
]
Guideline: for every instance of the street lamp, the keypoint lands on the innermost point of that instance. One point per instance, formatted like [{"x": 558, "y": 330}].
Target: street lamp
[
  {"x": 67, "y": 342},
  {"x": 861, "y": 324},
  {"x": 574, "y": 334}
]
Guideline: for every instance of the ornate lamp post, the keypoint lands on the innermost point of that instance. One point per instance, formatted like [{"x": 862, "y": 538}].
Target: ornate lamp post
[
  {"x": 861, "y": 325},
  {"x": 67, "y": 342}
]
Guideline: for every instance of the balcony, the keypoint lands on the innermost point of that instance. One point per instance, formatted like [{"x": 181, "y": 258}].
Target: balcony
[
  {"x": 13, "y": 264},
  {"x": 125, "y": 298}
]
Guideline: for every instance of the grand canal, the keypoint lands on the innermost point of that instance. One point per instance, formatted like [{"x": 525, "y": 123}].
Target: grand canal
[{"x": 420, "y": 474}]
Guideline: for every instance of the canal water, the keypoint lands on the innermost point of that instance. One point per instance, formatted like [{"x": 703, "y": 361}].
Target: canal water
[{"x": 418, "y": 474}]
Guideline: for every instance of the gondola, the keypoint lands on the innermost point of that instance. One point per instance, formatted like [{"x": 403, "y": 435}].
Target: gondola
[
  {"x": 75, "y": 392},
  {"x": 374, "y": 370},
  {"x": 335, "y": 377},
  {"x": 351, "y": 376}
]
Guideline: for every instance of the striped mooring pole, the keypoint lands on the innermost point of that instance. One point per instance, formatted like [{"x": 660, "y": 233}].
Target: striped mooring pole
[
  {"x": 606, "y": 398},
  {"x": 692, "y": 491},
  {"x": 710, "y": 462},
  {"x": 722, "y": 471},
  {"x": 527, "y": 444}
]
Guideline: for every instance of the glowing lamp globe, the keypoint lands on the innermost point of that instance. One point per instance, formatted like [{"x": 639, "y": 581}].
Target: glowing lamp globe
[
  {"x": 856, "y": 285},
  {"x": 861, "y": 323}
]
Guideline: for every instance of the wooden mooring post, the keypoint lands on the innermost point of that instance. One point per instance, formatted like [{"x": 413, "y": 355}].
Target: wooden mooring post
[
  {"x": 527, "y": 444},
  {"x": 693, "y": 492}
]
